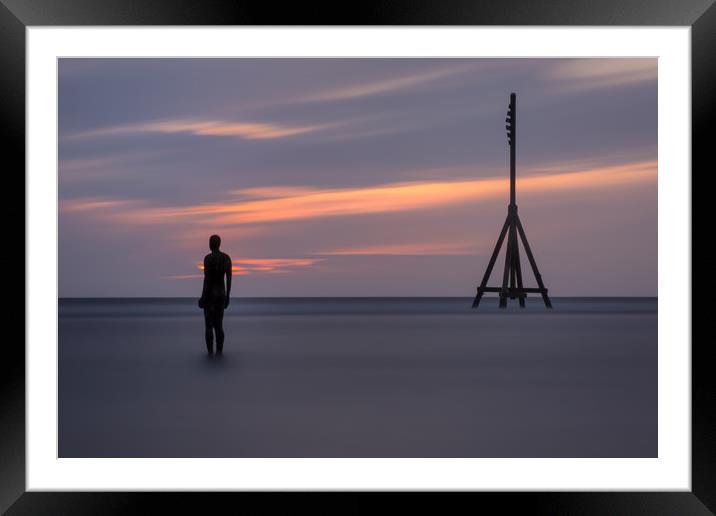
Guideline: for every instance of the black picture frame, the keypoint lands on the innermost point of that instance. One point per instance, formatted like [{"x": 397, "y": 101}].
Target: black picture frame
[{"x": 17, "y": 15}]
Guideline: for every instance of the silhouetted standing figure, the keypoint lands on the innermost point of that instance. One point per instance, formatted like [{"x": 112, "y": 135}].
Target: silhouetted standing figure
[{"x": 214, "y": 297}]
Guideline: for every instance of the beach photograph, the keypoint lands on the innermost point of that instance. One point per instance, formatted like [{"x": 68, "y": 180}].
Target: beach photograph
[{"x": 357, "y": 257}]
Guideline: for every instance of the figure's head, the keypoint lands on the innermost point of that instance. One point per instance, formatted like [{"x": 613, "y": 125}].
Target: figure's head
[{"x": 214, "y": 242}]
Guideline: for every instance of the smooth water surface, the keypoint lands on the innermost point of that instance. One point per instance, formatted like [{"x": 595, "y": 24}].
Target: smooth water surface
[{"x": 359, "y": 377}]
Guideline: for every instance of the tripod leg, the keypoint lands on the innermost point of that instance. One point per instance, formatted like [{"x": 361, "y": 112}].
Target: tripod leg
[
  {"x": 491, "y": 264},
  {"x": 513, "y": 270},
  {"x": 518, "y": 271},
  {"x": 478, "y": 296},
  {"x": 533, "y": 263},
  {"x": 508, "y": 260}
]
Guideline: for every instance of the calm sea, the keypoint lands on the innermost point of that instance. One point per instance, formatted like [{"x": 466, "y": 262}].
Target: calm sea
[
  {"x": 359, "y": 377},
  {"x": 153, "y": 307}
]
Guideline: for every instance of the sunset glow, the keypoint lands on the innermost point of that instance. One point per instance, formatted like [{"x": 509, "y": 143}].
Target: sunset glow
[
  {"x": 413, "y": 249},
  {"x": 246, "y": 130},
  {"x": 286, "y": 203},
  {"x": 341, "y": 177},
  {"x": 245, "y": 266}
]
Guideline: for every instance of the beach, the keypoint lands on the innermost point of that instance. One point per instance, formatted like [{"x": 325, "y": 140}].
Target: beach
[{"x": 359, "y": 377}]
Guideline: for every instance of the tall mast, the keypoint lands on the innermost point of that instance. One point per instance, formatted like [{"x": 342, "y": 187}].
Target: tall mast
[
  {"x": 512, "y": 286},
  {"x": 511, "y": 135}
]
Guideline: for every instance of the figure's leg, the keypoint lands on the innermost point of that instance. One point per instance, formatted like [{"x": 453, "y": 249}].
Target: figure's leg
[
  {"x": 208, "y": 331},
  {"x": 219, "y": 328}
]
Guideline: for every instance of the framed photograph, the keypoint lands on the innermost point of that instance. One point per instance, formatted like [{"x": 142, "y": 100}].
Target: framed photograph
[{"x": 423, "y": 249}]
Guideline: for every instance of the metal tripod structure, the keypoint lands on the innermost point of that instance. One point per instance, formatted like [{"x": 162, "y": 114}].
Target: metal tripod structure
[{"x": 512, "y": 286}]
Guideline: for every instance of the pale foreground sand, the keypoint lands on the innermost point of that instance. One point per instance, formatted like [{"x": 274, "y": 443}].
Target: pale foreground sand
[{"x": 137, "y": 383}]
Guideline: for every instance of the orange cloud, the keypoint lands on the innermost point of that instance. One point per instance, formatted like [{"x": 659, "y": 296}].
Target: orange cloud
[
  {"x": 413, "y": 249},
  {"x": 245, "y": 130},
  {"x": 244, "y": 266},
  {"x": 93, "y": 203},
  {"x": 316, "y": 203},
  {"x": 280, "y": 204}
]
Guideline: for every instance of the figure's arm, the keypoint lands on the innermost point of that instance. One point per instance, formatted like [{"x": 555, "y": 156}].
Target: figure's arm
[
  {"x": 229, "y": 266},
  {"x": 205, "y": 288}
]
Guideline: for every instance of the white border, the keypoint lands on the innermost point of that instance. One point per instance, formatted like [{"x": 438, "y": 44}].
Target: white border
[{"x": 670, "y": 471}]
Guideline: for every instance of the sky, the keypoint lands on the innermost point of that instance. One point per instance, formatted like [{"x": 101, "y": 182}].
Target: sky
[{"x": 354, "y": 177}]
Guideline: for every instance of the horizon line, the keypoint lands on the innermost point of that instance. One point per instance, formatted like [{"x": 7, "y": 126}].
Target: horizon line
[{"x": 358, "y": 297}]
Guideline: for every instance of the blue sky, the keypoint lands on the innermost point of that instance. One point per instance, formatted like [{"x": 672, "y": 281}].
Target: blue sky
[{"x": 353, "y": 177}]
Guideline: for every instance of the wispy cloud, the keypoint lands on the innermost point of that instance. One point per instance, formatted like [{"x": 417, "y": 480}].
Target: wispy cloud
[
  {"x": 408, "y": 249},
  {"x": 95, "y": 204},
  {"x": 74, "y": 168},
  {"x": 119, "y": 163},
  {"x": 383, "y": 86},
  {"x": 268, "y": 192},
  {"x": 281, "y": 204},
  {"x": 317, "y": 203},
  {"x": 221, "y": 128},
  {"x": 582, "y": 74},
  {"x": 244, "y": 266},
  {"x": 183, "y": 276}
]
